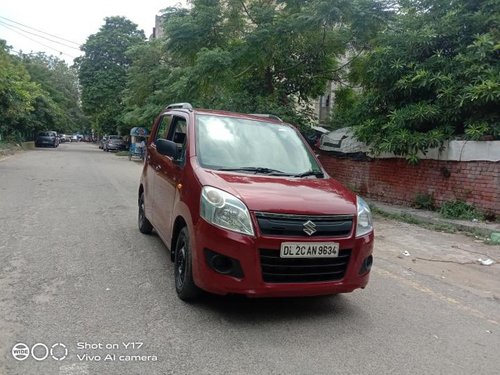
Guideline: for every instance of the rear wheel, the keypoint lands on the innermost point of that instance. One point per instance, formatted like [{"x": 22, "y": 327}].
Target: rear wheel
[
  {"x": 184, "y": 285},
  {"x": 144, "y": 224}
]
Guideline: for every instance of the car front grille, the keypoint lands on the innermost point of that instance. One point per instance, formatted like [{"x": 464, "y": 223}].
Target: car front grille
[
  {"x": 300, "y": 270},
  {"x": 304, "y": 225}
]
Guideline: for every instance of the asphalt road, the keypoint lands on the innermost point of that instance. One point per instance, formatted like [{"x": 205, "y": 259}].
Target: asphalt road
[{"x": 76, "y": 274}]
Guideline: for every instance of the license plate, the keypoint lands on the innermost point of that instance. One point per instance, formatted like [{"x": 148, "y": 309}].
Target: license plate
[{"x": 309, "y": 250}]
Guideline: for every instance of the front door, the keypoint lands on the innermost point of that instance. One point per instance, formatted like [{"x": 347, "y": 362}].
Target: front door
[
  {"x": 153, "y": 159},
  {"x": 169, "y": 176}
]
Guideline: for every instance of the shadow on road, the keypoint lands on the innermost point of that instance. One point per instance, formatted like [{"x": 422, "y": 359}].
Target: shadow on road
[{"x": 242, "y": 309}]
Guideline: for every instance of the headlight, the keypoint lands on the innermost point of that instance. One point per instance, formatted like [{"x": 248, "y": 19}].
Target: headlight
[
  {"x": 225, "y": 210},
  {"x": 365, "y": 223}
]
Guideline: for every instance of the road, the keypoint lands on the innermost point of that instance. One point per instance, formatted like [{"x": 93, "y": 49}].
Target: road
[{"x": 76, "y": 274}]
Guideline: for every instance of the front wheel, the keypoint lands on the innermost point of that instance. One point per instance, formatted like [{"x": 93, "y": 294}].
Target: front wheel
[
  {"x": 144, "y": 224},
  {"x": 184, "y": 285}
]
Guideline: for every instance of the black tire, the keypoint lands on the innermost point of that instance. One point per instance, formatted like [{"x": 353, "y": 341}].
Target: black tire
[
  {"x": 144, "y": 224},
  {"x": 183, "y": 268}
]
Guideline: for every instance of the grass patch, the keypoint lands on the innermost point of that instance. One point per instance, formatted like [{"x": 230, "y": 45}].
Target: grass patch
[
  {"x": 121, "y": 153},
  {"x": 459, "y": 210},
  {"x": 6, "y": 146}
]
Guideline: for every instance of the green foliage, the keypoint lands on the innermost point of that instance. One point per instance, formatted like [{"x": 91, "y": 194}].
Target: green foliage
[
  {"x": 17, "y": 95},
  {"x": 248, "y": 56},
  {"x": 36, "y": 92},
  {"x": 424, "y": 201},
  {"x": 434, "y": 73},
  {"x": 103, "y": 71},
  {"x": 459, "y": 210},
  {"x": 58, "y": 107}
]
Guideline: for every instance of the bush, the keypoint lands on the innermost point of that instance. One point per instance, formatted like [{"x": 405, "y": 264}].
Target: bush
[
  {"x": 459, "y": 210},
  {"x": 424, "y": 201}
]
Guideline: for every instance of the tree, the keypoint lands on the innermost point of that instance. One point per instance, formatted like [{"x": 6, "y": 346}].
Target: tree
[
  {"x": 103, "y": 70},
  {"x": 17, "y": 95},
  {"x": 249, "y": 55},
  {"x": 433, "y": 74},
  {"x": 59, "y": 109},
  {"x": 144, "y": 95}
]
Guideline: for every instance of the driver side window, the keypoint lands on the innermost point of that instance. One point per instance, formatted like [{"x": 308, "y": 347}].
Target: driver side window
[
  {"x": 163, "y": 128},
  {"x": 177, "y": 134}
]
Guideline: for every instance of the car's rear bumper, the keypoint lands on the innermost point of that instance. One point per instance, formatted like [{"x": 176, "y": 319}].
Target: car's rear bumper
[
  {"x": 45, "y": 142},
  {"x": 116, "y": 148},
  {"x": 246, "y": 250}
]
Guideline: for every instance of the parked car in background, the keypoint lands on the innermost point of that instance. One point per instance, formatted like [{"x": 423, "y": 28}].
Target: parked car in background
[
  {"x": 245, "y": 207},
  {"x": 115, "y": 143},
  {"x": 47, "y": 138},
  {"x": 64, "y": 138}
]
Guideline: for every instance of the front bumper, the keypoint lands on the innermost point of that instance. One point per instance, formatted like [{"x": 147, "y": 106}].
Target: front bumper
[{"x": 246, "y": 250}]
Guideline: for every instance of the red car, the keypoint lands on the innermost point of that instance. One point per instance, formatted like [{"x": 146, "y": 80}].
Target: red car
[{"x": 245, "y": 208}]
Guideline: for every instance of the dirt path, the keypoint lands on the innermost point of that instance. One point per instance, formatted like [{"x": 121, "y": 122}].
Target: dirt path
[{"x": 449, "y": 257}]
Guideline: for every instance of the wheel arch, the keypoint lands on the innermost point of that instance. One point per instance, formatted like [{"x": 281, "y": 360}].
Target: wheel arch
[
  {"x": 178, "y": 225},
  {"x": 141, "y": 190}
]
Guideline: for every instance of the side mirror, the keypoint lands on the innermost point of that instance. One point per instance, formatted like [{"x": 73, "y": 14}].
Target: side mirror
[{"x": 166, "y": 148}]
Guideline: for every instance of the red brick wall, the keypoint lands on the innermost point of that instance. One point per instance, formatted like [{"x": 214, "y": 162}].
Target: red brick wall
[{"x": 395, "y": 181}]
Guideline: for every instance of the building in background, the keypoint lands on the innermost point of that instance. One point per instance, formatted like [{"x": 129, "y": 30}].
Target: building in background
[{"x": 158, "y": 31}]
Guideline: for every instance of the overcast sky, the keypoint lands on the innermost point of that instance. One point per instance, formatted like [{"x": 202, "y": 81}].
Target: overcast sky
[{"x": 71, "y": 20}]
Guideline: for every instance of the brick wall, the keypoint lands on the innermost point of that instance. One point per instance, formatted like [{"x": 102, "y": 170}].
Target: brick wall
[{"x": 395, "y": 181}]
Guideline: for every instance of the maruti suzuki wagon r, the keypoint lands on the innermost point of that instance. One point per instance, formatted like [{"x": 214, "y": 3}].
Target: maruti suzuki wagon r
[{"x": 246, "y": 208}]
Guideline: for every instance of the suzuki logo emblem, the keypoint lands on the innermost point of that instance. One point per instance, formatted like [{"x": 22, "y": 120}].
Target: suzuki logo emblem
[{"x": 309, "y": 227}]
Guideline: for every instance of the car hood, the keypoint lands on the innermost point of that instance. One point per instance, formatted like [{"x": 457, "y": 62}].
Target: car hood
[{"x": 310, "y": 195}]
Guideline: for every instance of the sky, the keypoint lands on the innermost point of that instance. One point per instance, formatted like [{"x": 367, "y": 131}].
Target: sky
[{"x": 74, "y": 21}]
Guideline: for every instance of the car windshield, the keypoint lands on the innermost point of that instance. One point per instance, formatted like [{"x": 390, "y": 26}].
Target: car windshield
[{"x": 251, "y": 146}]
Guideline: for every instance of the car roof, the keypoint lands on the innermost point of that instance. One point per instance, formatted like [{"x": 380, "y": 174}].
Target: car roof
[{"x": 202, "y": 111}]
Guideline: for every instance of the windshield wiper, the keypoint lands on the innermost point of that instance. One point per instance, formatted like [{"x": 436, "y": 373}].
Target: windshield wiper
[
  {"x": 317, "y": 173},
  {"x": 262, "y": 170}
]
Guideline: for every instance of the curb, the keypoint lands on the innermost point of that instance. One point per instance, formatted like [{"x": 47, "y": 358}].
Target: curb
[{"x": 430, "y": 219}]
